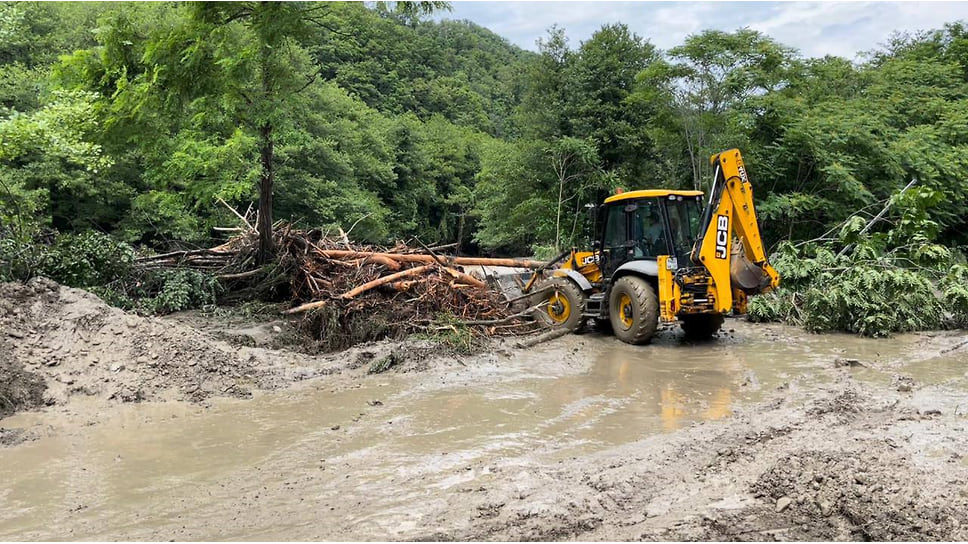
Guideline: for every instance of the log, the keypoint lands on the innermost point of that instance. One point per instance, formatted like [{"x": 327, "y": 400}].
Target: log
[
  {"x": 306, "y": 307},
  {"x": 538, "y": 339},
  {"x": 381, "y": 259},
  {"x": 240, "y": 275},
  {"x": 384, "y": 280},
  {"x": 466, "y": 278},
  {"x": 425, "y": 258}
]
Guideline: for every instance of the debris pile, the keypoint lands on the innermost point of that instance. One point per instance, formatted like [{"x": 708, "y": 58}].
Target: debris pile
[{"x": 349, "y": 293}]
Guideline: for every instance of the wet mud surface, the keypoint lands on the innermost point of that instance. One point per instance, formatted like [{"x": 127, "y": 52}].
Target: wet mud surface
[{"x": 766, "y": 433}]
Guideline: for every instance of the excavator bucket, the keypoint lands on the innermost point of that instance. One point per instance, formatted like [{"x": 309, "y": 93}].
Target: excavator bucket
[{"x": 744, "y": 274}]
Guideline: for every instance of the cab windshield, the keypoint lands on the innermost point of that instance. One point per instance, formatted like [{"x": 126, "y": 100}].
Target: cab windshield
[{"x": 684, "y": 221}]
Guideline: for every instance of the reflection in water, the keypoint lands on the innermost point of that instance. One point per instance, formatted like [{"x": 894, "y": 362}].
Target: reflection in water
[
  {"x": 676, "y": 384},
  {"x": 672, "y": 409}
]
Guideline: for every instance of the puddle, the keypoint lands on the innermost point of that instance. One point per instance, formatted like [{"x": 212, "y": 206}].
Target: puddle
[{"x": 170, "y": 470}]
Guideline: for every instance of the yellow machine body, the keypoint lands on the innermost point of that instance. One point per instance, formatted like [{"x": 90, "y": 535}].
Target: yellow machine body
[{"x": 718, "y": 259}]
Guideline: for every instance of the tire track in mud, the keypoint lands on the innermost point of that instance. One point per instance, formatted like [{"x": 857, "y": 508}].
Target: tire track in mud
[{"x": 831, "y": 465}]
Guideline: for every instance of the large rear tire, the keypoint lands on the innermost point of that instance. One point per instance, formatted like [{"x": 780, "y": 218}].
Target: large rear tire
[
  {"x": 566, "y": 303},
  {"x": 633, "y": 309},
  {"x": 701, "y": 326}
]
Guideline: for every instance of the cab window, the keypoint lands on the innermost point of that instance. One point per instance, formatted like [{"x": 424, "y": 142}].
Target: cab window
[
  {"x": 615, "y": 233},
  {"x": 684, "y": 220},
  {"x": 649, "y": 230}
]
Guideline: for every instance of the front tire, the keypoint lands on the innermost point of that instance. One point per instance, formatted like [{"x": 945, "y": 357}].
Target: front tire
[
  {"x": 633, "y": 310},
  {"x": 701, "y": 326},
  {"x": 566, "y": 303}
]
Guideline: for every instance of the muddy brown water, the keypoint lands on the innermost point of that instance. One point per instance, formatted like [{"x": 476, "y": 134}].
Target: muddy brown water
[{"x": 369, "y": 460}]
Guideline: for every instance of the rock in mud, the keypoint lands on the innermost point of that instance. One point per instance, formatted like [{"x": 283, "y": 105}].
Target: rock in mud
[
  {"x": 12, "y": 437},
  {"x": 904, "y": 384},
  {"x": 783, "y": 503},
  {"x": 841, "y": 362}
]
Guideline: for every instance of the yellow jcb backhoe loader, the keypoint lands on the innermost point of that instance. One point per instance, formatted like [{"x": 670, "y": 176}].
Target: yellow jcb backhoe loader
[{"x": 659, "y": 255}]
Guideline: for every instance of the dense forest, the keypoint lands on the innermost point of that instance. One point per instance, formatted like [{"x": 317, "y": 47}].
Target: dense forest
[{"x": 139, "y": 125}]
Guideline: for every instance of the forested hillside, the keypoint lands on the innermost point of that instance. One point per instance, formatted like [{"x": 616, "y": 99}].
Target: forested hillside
[{"x": 135, "y": 120}]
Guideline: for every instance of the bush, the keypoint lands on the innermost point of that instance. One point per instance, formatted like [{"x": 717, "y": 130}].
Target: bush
[
  {"x": 87, "y": 259},
  {"x": 19, "y": 260},
  {"x": 867, "y": 291},
  {"x": 448, "y": 330},
  {"x": 104, "y": 266},
  {"x": 161, "y": 291},
  {"x": 76, "y": 260},
  {"x": 955, "y": 293}
]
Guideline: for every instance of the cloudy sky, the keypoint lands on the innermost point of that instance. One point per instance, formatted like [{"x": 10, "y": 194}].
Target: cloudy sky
[{"x": 815, "y": 28}]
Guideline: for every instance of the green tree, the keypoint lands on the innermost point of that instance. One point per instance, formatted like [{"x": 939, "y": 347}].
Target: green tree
[
  {"x": 705, "y": 90},
  {"x": 600, "y": 102},
  {"x": 574, "y": 162},
  {"x": 49, "y": 168}
]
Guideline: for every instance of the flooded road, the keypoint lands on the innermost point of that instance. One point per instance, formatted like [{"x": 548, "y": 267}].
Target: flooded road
[{"x": 408, "y": 455}]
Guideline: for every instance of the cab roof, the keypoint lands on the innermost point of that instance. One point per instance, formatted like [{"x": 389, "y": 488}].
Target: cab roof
[{"x": 650, "y": 193}]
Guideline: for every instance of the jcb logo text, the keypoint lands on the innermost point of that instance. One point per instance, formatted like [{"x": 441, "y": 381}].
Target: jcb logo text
[{"x": 722, "y": 235}]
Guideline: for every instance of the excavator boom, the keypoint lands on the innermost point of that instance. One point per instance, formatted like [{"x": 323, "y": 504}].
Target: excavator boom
[{"x": 740, "y": 268}]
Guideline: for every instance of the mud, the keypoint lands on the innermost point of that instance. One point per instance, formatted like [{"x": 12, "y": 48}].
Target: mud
[{"x": 758, "y": 435}]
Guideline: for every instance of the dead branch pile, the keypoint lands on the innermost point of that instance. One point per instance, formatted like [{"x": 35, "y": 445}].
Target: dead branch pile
[{"x": 350, "y": 293}]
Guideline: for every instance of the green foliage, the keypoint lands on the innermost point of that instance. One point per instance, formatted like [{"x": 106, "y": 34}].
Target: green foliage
[
  {"x": 867, "y": 292},
  {"x": 161, "y": 291},
  {"x": 104, "y": 265},
  {"x": 78, "y": 260},
  {"x": 383, "y": 364},
  {"x": 954, "y": 287},
  {"x": 446, "y": 330},
  {"x": 49, "y": 167},
  {"x": 87, "y": 259}
]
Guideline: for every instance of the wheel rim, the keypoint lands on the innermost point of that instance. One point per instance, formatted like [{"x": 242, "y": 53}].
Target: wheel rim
[
  {"x": 559, "y": 309},
  {"x": 625, "y": 310}
]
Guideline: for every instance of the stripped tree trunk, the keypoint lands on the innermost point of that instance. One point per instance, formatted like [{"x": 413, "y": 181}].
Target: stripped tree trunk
[{"x": 264, "y": 226}]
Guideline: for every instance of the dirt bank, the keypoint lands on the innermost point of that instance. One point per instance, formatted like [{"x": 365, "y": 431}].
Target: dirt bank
[
  {"x": 60, "y": 343},
  {"x": 19, "y": 390}
]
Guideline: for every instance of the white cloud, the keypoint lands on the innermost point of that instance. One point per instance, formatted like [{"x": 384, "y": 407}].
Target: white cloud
[{"x": 815, "y": 28}]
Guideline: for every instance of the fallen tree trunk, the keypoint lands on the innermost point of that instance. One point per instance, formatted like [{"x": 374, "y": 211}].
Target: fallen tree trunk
[
  {"x": 306, "y": 307},
  {"x": 384, "y": 280},
  {"x": 541, "y": 338},
  {"x": 425, "y": 258},
  {"x": 466, "y": 278},
  {"x": 388, "y": 262}
]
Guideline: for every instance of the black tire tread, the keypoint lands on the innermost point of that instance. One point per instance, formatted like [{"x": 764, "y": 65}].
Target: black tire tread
[
  {"x": 572, "y": 292},
  {"x": 701, "y": 326},
  {"x": 645, "y": 315}
]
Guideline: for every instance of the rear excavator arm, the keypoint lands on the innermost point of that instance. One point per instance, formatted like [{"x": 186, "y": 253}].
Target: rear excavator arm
[{"x": 737, "y": 269}]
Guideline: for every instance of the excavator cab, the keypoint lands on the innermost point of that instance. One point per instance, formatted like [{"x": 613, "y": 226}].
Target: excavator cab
[
  {"x": 659, "y": 255},
  {"x": 643, "y": 225}
]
